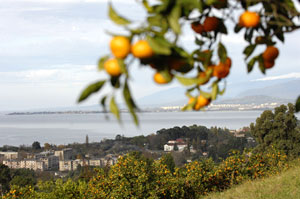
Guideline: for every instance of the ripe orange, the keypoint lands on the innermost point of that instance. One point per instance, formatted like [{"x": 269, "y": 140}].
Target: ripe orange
[
  {"x": 221, "y": 70},
  {"x": 271, "y": 53},
  {"x": 201, "y": 102},
  {"x": 112, "y": 67},
  {"x": 160, "y": 79},
  {"x": 210, "y": 24},
  {"x": 228, "y": 62},
  {"x": 120, "y": 46},
  {"x": 269, "y": 64},
  {"x": 191, "y": 100},
  {"x": 249, "y": 19},
  {"x": 141, "y": 49},
  {"x": 197, "y": 27}
]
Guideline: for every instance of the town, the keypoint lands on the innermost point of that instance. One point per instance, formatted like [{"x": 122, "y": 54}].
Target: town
[{"x": 65, "y": 158}]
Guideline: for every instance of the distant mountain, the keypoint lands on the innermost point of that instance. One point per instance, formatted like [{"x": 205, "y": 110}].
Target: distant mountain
[
  {"x": 286, "y": 90},
  {"x": 169, "y": 97},
  {"x": 260, "y": 92},
  {"x": 255, "y": 92},
  {"x": 256, "y": 99}
]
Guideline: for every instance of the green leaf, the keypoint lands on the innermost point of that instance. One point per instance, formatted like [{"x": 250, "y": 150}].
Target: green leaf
[
  {"x": 205, "y": 94},
  {"x": 103, "y": 102},
  {"x": 190, "y": 5},
  {"x": 122, "y": 66},
  {"x": 130, "y": 103},
  {"x": 155, "y": 20},
  {"x": 214, "y": 92},
  {"x": 159, "y": 45},
  {"x": 297, "y": 106},
  {"x": 237, "y": 28},
  {"x": 93, "y": 88},
  {"x": 280, "y": 36},
  {"x": 114, "y": 108},
  {"x": 188, "y": 81},
  {"x": 117, "y": 18},
  {"x": 210, "y": 2},
  {"x": 101, "y": 62},
  {"x": 223, "y": 91},
  {"x": 261, "y": 64},
  {"x": 174, "y": 17},
  {"x": 249, "y": 50},
  {"x": 251, "y": 64},
  {"x": 222, "y": 27},
  {"x": 115, "y": 81},
  {"x": 199, "y": 42},
  {"x": 147, "y": 6},
  {"x": 166, "y": 74},
  {"x": 222, "y": 53}
]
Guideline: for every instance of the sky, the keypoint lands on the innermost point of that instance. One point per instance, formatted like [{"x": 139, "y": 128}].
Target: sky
[{"x": 50, "y": 48}]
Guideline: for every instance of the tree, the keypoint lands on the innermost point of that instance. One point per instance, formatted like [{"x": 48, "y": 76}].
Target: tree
[
  {"x": 36, "y": 145},
  {"x": 47, "y": 146},
  {"x": 23, "y": 177},
  {"x": 86, "y": 140},
  {"x": 278, "y": 129},
  {"x": 168, "y": 160},
  {"x": 5, "y": 178},
  {"x": 159, "y": 46}
]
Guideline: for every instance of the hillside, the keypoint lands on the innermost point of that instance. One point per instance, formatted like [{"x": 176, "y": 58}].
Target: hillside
[
  {"x": 283, "y": 186},
  {"x": 286, "y": 90},
  {"x": 255, "y": 99}
]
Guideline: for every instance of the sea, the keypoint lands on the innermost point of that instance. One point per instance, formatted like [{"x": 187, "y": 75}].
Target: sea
[{"x": 57, "y": 129}]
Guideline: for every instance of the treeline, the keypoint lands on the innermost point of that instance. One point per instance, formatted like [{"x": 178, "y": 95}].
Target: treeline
[{"x": 217, "y": 142}]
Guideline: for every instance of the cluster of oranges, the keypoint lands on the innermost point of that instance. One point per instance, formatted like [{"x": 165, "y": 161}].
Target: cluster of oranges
[
  {"x": 209, "y": 24},
  {"x": 121, "y": 47},
  {"x": 269, "y": 56}
]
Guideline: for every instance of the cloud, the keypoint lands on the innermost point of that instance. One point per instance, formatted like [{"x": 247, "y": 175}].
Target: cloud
[
  {"x": 68, "y": 73},
  {"x": 286, "y": 76}
]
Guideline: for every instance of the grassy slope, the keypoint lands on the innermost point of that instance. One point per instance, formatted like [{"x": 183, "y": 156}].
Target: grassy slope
[{"x": 283, "y": 186}]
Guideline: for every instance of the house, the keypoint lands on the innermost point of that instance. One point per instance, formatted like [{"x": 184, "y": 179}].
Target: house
[
  {"x": 26, "y": 164},
  {"x": 9, "y": 154},
  {"x": 51, "y": 162},
  {"x": 64, "y": 154},
  {"x": 180, "y": 144}
]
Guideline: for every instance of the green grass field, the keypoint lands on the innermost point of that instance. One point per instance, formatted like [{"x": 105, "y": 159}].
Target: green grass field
[{"x": 282, "y": 186}]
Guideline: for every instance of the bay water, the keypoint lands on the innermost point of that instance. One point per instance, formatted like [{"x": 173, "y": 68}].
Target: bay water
[{"x": 69, "y": 128}]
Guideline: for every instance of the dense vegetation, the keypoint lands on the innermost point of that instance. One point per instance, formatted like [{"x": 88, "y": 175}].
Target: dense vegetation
[
  {"x": 283, "y": 186},
  {"x": 135, "y": 176},
  {"x": 279, "y": 129}
]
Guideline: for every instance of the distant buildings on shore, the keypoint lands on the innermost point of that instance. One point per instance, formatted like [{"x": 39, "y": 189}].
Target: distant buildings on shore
[{"x": 60, "y": 160}]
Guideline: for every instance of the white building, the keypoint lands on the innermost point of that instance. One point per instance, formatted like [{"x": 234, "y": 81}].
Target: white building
[
  {"x": 32, "y": 164},
  {"x": 9, "y": 154},
  {"x": 51, "y": 162},
  {"x": 64, "y": 154},
  {"x": 13, "y": 164},
  {"x": 25, "y": 164},
  {"x": 180, "y": 143}
]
